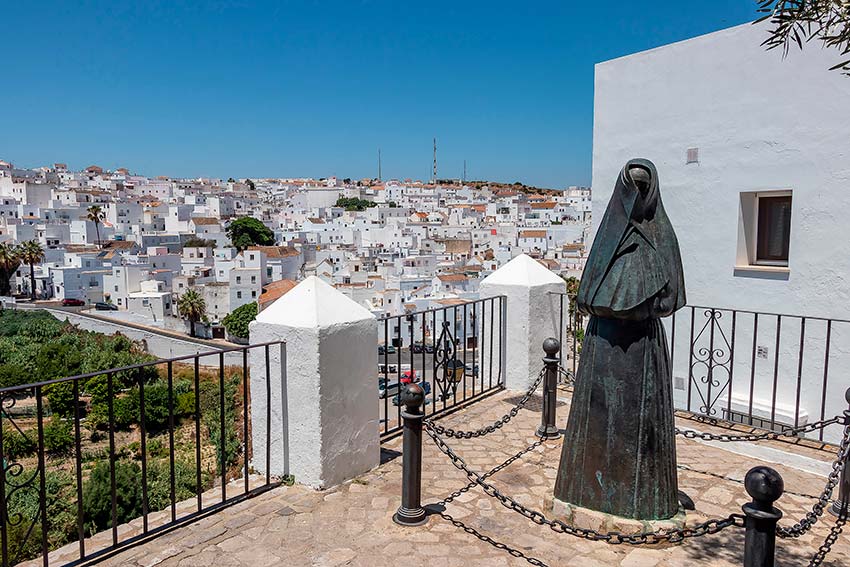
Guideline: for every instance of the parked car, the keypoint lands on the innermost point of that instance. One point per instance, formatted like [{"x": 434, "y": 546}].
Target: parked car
[
  {"x": 429, "y": 349},
  {"x": 103, "y": 306},
  {"x": 472, "y": 370},
  {"x": 72, "y": 302},
  {"x": 389, "y": 349},
  {"x": 417, "y": 348}
]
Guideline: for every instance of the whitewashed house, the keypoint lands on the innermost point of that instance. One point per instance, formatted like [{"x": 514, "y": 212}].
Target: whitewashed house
[{"x": 753, "y": 155}]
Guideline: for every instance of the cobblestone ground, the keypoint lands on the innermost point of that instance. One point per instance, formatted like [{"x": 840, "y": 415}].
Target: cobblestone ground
[{"x": 351, "y": 524}]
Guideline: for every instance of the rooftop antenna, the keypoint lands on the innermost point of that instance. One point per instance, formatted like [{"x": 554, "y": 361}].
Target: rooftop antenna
[
  {"x": 435, "y": 161},
  {"x": 379, "y": 164}
]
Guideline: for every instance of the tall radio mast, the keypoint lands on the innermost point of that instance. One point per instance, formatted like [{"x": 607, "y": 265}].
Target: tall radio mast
[{"x": 435, "y": 161}]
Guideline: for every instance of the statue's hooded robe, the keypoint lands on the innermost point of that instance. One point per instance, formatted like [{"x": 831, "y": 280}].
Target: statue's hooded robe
[{"x": 619, "y": 453}]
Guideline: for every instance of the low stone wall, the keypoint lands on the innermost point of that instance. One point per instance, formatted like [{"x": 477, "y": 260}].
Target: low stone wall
[{"x": 161, "y": 345}]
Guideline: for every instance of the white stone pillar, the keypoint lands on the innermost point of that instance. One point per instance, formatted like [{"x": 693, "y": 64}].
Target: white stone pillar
[
  {"x": 531, "y": 315},
  {"x": 324, "y": 389}
]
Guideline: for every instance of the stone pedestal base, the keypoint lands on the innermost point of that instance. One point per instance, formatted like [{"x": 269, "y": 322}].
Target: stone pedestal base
[{"x": 603, "y": 523}]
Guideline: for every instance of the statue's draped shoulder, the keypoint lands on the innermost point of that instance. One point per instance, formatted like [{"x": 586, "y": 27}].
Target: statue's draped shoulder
[{"x": 634, "y": 270}]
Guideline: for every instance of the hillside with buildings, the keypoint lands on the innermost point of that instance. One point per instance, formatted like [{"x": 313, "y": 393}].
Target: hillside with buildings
[{"x": 135, "y": 244}]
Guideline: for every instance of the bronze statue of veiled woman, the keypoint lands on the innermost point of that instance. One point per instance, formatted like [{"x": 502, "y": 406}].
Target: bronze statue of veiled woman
[{"x": 619, "y": 452}]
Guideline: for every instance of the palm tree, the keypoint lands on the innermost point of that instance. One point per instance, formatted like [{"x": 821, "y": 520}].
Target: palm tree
[
  {"x": 9, "y": 262},
  {"x": 96, "y": 215},
  {"x": 31, "y": 253},
  {"x": 192, "y": 307}
]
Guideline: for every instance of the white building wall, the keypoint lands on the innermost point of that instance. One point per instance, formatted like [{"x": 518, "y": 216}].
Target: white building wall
[{"x": 760, "y": 123}]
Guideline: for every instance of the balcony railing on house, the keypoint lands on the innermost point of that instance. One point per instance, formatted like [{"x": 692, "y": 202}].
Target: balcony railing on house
[
  {"x": 455, "y": 352},
  {"x": 152, "y": 446},
  {"x": 769, "y": 370}
]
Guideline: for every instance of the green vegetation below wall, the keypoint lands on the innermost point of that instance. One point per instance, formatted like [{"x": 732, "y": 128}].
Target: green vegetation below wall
[{"x": 36, "y": 347}]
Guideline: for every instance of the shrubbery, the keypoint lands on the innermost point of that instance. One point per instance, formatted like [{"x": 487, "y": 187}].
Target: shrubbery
[
  {"x": 35, "y": 346},
  {"x": 16, "y": 444},
  {"x": 97, "y": 495},
  {"x": 58, "y": 437},
  {"x": 237, "y": 322},
  {"x": 23, "y": 507}
]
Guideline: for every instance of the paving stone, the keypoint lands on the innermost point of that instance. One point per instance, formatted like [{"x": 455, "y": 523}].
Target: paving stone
[{"x": 352, "y": 526}]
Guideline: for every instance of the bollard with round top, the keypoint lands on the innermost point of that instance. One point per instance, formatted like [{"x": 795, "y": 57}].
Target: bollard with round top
[
  {"x": 411, "y": 512},
  {"x": 548, "y": 429},
  {"x": 765, "y": 486},
  {"x": 842, "y": 503}
]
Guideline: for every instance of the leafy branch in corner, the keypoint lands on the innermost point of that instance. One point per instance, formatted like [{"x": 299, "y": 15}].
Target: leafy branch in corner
[{"x": 801, "y": 21}]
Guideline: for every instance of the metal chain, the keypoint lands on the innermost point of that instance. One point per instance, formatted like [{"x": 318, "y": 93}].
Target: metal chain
[
  {"x": 811, "y": 517},
  {"x": 568, "y": 376},
  {"x": 793, "y": 432},
  {"x": 512, "y": 459},
  {"x": 689, "y": 468},
  {"x": 496, "y": 425},
  {"x": 831, "y": 538},
  {"x": 614, "y": 538}
]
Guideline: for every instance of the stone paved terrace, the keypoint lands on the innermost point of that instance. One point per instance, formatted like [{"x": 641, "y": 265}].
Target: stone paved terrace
[{"x": 351, "y": 524}]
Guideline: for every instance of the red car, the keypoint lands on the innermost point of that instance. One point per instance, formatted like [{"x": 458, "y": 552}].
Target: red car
[{"x": 71, "y": 302}]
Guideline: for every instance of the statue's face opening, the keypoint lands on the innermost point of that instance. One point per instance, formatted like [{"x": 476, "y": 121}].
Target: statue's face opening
[{"x": 641, "y": 178}]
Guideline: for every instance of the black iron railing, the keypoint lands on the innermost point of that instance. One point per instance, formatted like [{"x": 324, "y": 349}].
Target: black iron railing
[
  {"x": 456, "y": 353},
  {"x": 571, "y": 332},
  {"x": 146, "y": 447},
  {"x": 768, "y": 370}
]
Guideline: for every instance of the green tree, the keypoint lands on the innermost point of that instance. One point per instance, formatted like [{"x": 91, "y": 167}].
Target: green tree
[
  {"x": 801, "y": 21},
  {"x": 250, "y": 184},
  {"x": 192, "y": 307},
  {"x": 9, "y": 262},
  {"x": 248, "y": 231},
  {"x": 12, "y": 375},
  {"x": 96, "y": 215},
  {"x": 237, "y": 322},
  {"x": 57, "y": 436},
  {"x": 31, "y": 253},
  {"x": 97, "y": 495},
  {"x": 354, "y": 204}
]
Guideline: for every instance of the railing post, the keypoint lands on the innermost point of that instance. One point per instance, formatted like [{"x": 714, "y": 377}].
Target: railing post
[
  {"x": 411, "y": 512},
  {"x": 842, "y": 504},
  {"x": 548, "y": 429},
  {"x": 765, "y": 485}
]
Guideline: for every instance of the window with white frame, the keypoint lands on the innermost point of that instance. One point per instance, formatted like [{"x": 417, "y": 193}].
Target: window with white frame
[{"x": 764, "y": 235}]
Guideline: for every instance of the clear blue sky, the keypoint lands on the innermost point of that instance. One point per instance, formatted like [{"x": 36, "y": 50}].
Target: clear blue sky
[{"x": 314, "y": 88}]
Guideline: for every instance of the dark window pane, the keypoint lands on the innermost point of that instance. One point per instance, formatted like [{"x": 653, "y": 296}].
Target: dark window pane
[{"x": 774, "y": 228}]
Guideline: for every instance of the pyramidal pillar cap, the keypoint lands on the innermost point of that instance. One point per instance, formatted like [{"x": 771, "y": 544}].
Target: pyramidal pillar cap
[
  {"x": 522, "y": 271},
  {"x": 313, "y": 304}
]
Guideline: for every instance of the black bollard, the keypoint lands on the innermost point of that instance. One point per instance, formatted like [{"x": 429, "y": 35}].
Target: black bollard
[
  {"x": 842, "y": 504},
  {"x": 548, "y": 429},
  {"x": 765, "y": 485},
  {"x": 411, "y": 512}
]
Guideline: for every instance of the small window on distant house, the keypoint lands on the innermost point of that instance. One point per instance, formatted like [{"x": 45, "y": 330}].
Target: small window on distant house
[
  {"x": 238, "y": 295},
  {"x": 693, "y": 155},
  {"x": 773, "y": 229}
]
